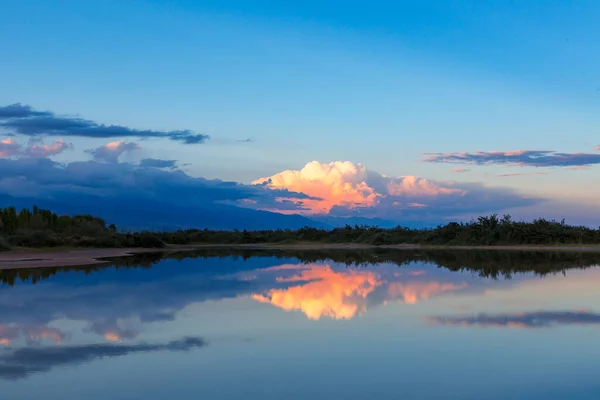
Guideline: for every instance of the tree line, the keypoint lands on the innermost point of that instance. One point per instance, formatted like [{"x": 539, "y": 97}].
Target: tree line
[{"x": 43, "y": 228}]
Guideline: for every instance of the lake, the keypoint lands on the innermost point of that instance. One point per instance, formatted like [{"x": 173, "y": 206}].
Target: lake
[{"x": 246, "y": 324}]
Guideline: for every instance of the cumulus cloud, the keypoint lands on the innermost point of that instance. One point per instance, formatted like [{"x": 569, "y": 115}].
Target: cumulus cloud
[
  {"x": 23, "y": 119},
  {"x": 538, "y": 319},
  {"x": 347, "y": 189},
  {"x": 111, "y": 152},
  {"x": 35, "y": 148},
  {"x": 524, "y": 158},
  {"x": 158, "y": 163}
]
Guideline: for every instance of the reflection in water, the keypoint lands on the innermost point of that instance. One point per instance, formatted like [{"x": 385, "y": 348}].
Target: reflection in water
[
  {"x": 538, "y": 319},
  {"x": 121, "y": 323},
  {"x": 412, "y": 292},
  {"x": 17, "y": 364},
  {"x": 321, "y": 291},
  {"x": 31, "y": 333}
]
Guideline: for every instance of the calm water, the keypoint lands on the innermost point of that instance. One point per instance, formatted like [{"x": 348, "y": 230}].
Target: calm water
[{"x": 478, "y": 327}]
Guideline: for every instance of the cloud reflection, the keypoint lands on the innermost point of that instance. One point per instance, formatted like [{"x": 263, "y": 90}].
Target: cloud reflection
[
  {"x": 20, "y": 363},
  {"x": 321, "y": 291},
  {"x": 32, "y": 334},
  {"x": 324, "y": 292},
  {"x": 537, "y": 319}
]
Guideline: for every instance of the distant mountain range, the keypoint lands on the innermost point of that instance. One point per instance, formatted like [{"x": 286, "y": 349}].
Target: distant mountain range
[{"x": 134, "y": 214}]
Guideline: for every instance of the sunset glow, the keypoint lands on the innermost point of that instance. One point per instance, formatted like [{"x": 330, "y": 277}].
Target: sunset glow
[
  {"x": 327, "y": 293},
  {"x": 343, "y": 294}
]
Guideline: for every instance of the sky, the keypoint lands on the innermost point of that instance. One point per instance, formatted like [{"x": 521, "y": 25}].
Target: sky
[{"x": 405, "y": 110}]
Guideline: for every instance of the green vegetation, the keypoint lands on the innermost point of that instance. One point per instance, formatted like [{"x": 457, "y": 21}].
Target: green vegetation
[
  {"x": 482, "y": 231},
  {"x": 42, "y": 228}
]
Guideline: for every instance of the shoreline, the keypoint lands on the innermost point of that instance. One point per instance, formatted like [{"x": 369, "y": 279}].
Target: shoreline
[{"x": 87, "y": 257}]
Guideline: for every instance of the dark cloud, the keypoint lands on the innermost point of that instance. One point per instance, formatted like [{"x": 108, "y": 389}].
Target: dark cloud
[
  {"x": 158, "y": 163},
  {"x": 524, "y": 158},
  {"x": 111, "y": 152},
  {"x": 24, "y": 120},
  {"x": 20, "y": 363},
  {"x": 538, "y": 319},
  {"x": 20, "y": 111},
  {"x": 119, "y": 190}
]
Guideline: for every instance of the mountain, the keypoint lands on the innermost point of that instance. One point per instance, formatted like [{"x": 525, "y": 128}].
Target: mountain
[{"x": 136, "y": 214}]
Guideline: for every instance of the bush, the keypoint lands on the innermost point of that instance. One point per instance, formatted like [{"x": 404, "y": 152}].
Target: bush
[
  {"x": 4, "y": 246},
  {"x": 43, "y": 238},
  {"x": 147, "y": 239}
]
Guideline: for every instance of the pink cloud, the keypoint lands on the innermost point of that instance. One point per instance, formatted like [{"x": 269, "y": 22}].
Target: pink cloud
[
  {"x": 111, "y": 152},
  {"x": 9, "y": 148},
  {"x": 339, "y": 183},
  {"x": 47, "y": 150},
  {"x": 580, "y": 167},
  {"x": 35, "y": 148},
  {"x": 342, "y": 188}
]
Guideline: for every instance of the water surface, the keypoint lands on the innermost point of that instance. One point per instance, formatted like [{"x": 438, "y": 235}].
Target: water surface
[{"x": 255, "y": 325}]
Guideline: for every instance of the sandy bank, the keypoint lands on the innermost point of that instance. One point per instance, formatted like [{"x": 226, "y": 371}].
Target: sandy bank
[
  {"x": 80, "y": 257},
  {"x": 66, "y": 258}
]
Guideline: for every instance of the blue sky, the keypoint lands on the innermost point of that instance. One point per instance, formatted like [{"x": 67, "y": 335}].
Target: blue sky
[{"x": 376, "y": 83}]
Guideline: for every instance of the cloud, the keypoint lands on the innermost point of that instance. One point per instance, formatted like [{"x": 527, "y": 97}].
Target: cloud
[
  {"x": 35, "y": 148},
  {"x": 111, "y": 152},
  {"x": 347, "y": 189},
  {"x": 579, "y": 167},
  {"x": 460, "y": 170},
  {"x": 523, "y": 158},
  {"x": 538, "y": 319},
  {"x": 24, "y": 120},
  {"x": 20, "y": 363},
  {"x": 20, "y": 111},
  {"x": 142, "y": 186},
  {"x": 9, "y": 148},
  {"x": 249, "y": 140},
  {"x": 157, "y": 163},
  {"x": 598, "y": 148},
  {"x": 521, "y": 174},
  {"x": 45, "y": 150}
]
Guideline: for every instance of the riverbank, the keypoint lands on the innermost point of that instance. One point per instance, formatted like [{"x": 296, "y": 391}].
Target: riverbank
[{"x": 32, "y": 258}]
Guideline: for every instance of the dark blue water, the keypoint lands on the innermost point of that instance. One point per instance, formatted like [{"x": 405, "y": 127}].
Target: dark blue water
[{"x": 280, "y": 329}]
